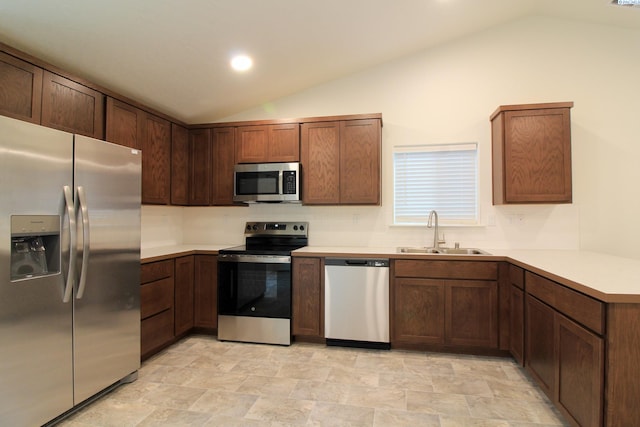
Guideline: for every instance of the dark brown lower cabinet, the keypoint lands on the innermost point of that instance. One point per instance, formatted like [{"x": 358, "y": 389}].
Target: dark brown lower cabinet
[
  {"x": 206, "y": 291},
  {"x": 455, "y": 313},
  {"x": 307, "y": 298},
  {"x": 471, "y": 313},
  {"x": 184, "y": 294},
  {"x": 567, "y": 361},
  {"x": 156, "y": 306},
  {"x": 540, "y": 348},
  {"x": 580, "y": 362},
  {"x": 419, "y": 311},
  {"x": 516, "y": 323}
]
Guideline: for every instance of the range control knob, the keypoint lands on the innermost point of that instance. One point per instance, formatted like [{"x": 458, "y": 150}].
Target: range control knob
[
  {"x": 295, "y": 228},
  {"x": 302, "y": 227},
  {"x": 255, "y": 228},
  {"x": 248, "y": 227}
]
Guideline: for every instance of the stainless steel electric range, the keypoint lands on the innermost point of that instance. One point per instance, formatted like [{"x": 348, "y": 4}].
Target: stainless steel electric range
[{"x": 254, "y": 283}]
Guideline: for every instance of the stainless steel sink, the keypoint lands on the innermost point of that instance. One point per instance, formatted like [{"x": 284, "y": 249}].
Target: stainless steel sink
[{"x": 441, "y": 251}]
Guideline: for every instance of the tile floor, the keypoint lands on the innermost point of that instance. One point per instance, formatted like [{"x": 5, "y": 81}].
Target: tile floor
[{"x": 204, "y": 382}]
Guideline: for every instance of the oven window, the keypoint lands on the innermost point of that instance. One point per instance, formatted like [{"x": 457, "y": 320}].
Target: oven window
[
  {"x": 248, "y": 183},
  {"x": 254, "y": 289}
]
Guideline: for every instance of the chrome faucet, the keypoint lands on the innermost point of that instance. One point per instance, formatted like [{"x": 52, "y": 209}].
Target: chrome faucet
[{"x": 436, "y": 232}]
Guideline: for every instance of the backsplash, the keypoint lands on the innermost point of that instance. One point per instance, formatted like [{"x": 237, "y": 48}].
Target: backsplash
[{"x": 507, "y": 227}]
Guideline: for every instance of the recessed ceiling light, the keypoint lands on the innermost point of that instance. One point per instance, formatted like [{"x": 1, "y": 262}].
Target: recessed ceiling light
[{"x": 241, "y": 63}]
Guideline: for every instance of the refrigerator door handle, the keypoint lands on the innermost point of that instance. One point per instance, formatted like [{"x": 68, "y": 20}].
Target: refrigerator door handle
[
  {"x": 68, "y": 199},
  {"x": 84, "y": 212}
]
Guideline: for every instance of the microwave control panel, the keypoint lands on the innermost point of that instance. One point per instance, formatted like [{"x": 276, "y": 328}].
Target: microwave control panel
[{"x": 289, "y": 182}]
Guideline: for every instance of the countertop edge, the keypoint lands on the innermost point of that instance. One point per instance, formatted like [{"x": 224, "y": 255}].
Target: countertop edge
[
  {"x": 165, "y": 253},
  {"x": 611, "y": 298}
]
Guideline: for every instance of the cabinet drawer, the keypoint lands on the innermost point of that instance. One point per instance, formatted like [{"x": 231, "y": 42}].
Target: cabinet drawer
[
  {"x": 156, "y": 331},
  {"x": 475, "y": 270},
  {"x": 156, "y": 271},
  {"x": 581, "y": 308},
  {"x": 156, "y": 297}
]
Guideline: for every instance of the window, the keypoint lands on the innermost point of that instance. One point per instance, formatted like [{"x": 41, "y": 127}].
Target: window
[{"x": 436, "y": 177}]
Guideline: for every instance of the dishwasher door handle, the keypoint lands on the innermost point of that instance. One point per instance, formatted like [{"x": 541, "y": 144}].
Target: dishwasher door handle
[{"x": 355, "y": 261}]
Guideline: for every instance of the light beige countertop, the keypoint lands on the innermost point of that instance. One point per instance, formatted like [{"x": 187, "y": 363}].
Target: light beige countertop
[
  {"x": 167, "y": 252},
  {"x": 605, "y": 277}
]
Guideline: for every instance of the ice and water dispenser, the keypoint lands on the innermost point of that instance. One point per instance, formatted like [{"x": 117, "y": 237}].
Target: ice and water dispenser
[{"x": 35, "y": 246}]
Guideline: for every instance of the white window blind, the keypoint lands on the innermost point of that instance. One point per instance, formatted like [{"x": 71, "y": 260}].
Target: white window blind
[{"x": 436, "y": 177}]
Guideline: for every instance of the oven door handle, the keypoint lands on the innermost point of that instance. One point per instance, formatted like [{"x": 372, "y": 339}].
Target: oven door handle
[{"x": 259, "y": 259}]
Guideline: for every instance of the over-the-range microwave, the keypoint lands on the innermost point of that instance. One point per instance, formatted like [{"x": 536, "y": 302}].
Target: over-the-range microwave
[{"x": 266, "y": 182}]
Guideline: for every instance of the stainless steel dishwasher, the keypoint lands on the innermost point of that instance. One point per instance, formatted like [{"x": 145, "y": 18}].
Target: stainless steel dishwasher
[{"x": 357, "y": 302}]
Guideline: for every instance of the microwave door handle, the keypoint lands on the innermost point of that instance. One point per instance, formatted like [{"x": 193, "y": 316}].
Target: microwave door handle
[{"x": 68, "y": 200}]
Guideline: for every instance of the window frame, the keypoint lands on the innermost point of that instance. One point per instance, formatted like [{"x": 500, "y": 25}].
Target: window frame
[{"x": 444, "y": 219}]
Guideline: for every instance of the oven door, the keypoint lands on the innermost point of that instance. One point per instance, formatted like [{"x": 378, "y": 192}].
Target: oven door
[{"x": 254, "y": 285}]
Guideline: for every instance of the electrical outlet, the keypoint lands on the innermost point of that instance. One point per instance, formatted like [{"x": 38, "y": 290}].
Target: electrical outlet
[{"x": 517, "y": 219}]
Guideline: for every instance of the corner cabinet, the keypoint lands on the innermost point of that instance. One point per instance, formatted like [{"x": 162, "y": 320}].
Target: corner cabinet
[
  {"x": 516, "y": 313},
  {"x": 531, "y": 146},
  {"x": 341, "y": 162}
]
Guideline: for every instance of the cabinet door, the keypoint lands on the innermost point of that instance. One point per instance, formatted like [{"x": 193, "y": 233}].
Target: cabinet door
[
  {"x": 206, "y": 291},
  {"x": 200, "y": 170},
  {"x": 252, "y": 144},
  {"x": 156, "y": 160},
  {"x": 360, "y": 147},
  {"x": 20, "y": 89},
  {"x": 184, "y": 294},
  {"x": 580, "y": 372},
  {"x": 540, "y": 339},
  {"x": 72, "y": 107},
  {"x": 537, "y": 156},
  {"x": 320, "y": 158},
  {"x": 179, "y": 165},
  {"x": 122, "y": 124},
  {"x": 223, "y": 143},
  {"x": 516, "y": 323},
  {"x": 284, "y": 143},
  {"x": 471, "y": 310},
  {"x": 307, "y": 289},
  {"x": 418, "y": 311}
]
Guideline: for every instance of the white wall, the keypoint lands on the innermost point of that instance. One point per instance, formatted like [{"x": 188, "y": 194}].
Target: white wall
[{"x": 447, "y": 94}]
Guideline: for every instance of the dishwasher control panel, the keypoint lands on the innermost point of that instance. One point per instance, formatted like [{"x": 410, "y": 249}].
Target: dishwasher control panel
[{"x": 357, "y": 262}]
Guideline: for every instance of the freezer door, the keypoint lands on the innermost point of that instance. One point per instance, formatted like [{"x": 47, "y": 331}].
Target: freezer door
[
  {"x": 36, "y": 378},
  {"x": 107, "y": 295}
]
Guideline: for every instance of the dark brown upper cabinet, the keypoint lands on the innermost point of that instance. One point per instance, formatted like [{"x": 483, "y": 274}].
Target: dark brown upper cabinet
[
  {"x": 532, "y": 153},
  {"x": 20, "y": 89},
  {"x": 268, "y": 143}
]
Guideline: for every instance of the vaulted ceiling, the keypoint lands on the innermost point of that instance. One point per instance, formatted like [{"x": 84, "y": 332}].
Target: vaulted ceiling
[{"x": 173, "y": 55}]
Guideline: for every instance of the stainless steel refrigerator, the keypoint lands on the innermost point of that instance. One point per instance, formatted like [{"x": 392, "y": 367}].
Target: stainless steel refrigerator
[{"x": 69, "y": 270}]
